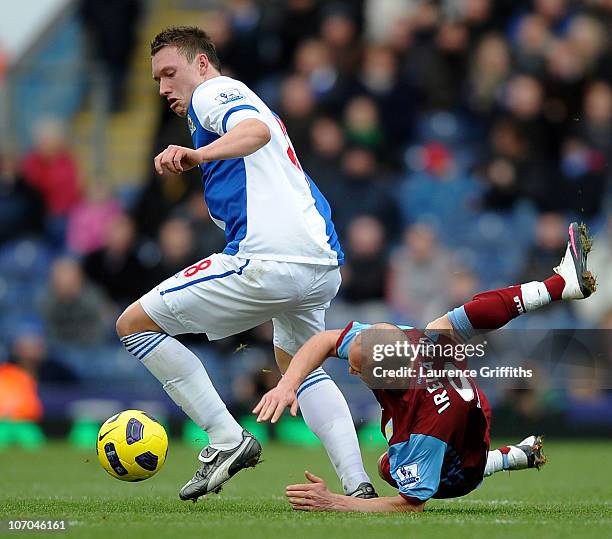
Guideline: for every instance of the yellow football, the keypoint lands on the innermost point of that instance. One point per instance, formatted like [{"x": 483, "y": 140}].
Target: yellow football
[{"x": 132, "y": 446}]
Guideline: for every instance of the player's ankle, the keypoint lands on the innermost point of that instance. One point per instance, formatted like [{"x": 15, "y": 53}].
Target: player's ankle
[{"x": 555, "y": 284}]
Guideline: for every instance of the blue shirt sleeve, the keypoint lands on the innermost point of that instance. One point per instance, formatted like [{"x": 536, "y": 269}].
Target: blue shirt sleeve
[
  {"x": 416, "y": 465},
  {"x": 350, "y": 332}
]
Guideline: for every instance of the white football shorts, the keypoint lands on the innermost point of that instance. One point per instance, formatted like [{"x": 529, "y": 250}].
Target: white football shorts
[{"x": 223, "y": 295}]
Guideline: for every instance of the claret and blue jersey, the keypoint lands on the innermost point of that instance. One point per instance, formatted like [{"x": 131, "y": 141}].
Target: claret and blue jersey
[
  {"x": 434, "y": 451},
  {"x": 266, "y": 204}
]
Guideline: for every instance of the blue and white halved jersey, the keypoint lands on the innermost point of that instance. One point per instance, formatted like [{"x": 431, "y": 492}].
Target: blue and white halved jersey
[{"x": 266, "y": 204}]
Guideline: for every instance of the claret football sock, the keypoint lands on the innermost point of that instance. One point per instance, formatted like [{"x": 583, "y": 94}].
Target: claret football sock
[
  {"x": 495, "y": 308},
  {"x": 554, "y": 285},
  {"x": 327, "y": 414},
  {"x": 186, "y": 381}
]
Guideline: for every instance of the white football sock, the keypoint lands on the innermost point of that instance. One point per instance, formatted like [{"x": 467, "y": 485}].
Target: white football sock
[
  {"x": 495, "y": 463},
  {"x": 326, "y": 413},
  {"x": 186, "y": 381},
  {"x": 535, "y": 295},
  {"x": 509, "y": 457}
]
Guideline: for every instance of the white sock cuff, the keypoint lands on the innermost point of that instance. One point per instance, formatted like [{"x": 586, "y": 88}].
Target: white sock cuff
[
  {"x": 143, "y": 343},
  {"x": 495, "y": 462},
  {"x": 315, "y": 377},
  {"x": 535, "y": 295}
]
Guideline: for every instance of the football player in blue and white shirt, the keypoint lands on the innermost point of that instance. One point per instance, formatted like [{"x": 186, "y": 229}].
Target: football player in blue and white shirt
[{"x": 281, "y": 263}]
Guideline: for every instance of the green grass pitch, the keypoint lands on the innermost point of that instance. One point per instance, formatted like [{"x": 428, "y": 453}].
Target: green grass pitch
[{"x": 571, "y": 497}]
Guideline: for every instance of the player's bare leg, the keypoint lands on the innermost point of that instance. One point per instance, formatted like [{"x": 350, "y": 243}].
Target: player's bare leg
[
  {"x": 528, "y": 453},
  {"x": 186, "y": 381},
  {"x": 135, "y": 320},
  {"x": 282, "y": 359},
  {"x": 326, "y": 413}
]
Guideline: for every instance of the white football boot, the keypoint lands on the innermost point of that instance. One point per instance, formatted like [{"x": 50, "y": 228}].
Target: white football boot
[{"x": 217, "y": 467}]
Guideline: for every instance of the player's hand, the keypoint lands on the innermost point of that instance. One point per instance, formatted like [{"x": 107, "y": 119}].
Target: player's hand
[
  {"x": 274, "y": 402},
  {"x": 177, "y": 159},
  {"x": 313, "y": 496}
]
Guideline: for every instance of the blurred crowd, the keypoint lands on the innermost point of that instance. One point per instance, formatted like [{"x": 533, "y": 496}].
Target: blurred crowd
[{"x": 454, "y": 140}]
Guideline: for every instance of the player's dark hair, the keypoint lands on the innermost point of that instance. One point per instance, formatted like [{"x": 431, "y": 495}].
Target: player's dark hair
[{"x": 189, "y": 40}]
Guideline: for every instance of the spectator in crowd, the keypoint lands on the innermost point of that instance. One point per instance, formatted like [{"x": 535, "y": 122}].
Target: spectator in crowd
[
  {"x": 74, "y": 311},
  {"x": 524, "y": 101},
  {"x": 89, "y": 219},
  {"x": 513, "y": 171},
  {"x": 297, "y": 106},
  {"x": 361, "y": 191},
  {"x": 323, "y": 160},
  {"x": 583, "y": 178},
  {"x": 299, "y": 21},
  {"x": 313, "y": 62},
  {"x": 439, "y": 191},
  {"x": 29, "y": 351},
  {"x": 362, "y": 124},
  {"x": 420, "y": 274},
  {"x": 50, "y": 169},
  {"x": 19, "y": 399},
  {"x": 207, "y": 237},
  {"x": 380, "y": 16},
  {"x": 587, "y": 36},
  {"x": 488, "y": 71},
  {"x": 555, "y": 14},
  {"x": 176, "y": 250},
  {"x": 394, "y": 95},
  {"x": 112, "y": 25},
  {"x": 550, "y": 241},
  {"x": 438, "y": 59},
  {"x": 479, "y": 16},
  {"x": 339, "y": 33},
  {"x": 596, "y": 127},
  {"x": 21, "y": 208},
  {"x": 244, "y": 18},
  {"x": 160, "y": 195},
  {"x": 219, "y": 28},
  {"x": 533, "y": 39},
  {"x": 365, "y": 271},
  {"x": 463, "y": 286},
  {"x": 116, "y": 267}
]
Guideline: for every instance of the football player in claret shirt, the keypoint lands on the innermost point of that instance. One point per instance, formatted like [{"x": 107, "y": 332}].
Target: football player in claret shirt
[{"x": 438, "y": 428}]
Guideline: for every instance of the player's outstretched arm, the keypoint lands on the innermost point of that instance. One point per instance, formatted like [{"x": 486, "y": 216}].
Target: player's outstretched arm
[
  {"x": 315, "y": 496},
  {"x": 308, "y": 358},
  {"x": 246, "y": 138}
]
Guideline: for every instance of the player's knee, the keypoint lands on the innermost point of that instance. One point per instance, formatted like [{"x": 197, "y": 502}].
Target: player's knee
[
  {"x": 383, "y": 466},
  {"x": 384, "y": 470},
  {"x": 134, "y": 320},
  {"x": 123, "y": 324},
  {"x": 440, "y": 324}
]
